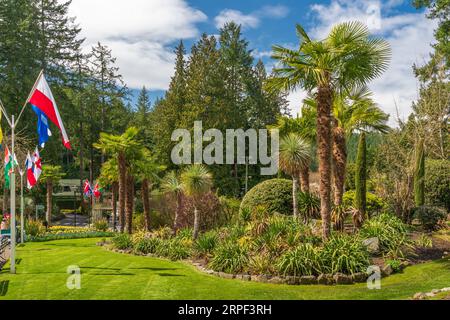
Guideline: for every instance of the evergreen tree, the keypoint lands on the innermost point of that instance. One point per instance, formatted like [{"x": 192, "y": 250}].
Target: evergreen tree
[
  {"x": 167, "y": 112},
  {"x": 360, "y": 181},
  {"x": 142, "y": 116},
  {"x": 419, "y": 175},
  {"x": 57, "y": 37}
]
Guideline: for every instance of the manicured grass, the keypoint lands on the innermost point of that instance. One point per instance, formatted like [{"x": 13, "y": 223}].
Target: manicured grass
[{"x": 42, "y": 274}]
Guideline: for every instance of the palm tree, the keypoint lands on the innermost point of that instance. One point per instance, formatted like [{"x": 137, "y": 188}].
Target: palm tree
[
  {"x": 294, "y": 154},
  {"x": 352, "y": 111},
  {"x": 196, "y": 181},
  {"x": 109, "y": 176},
  {"x": 51, "y": 175},
  {"x": 147, "y": 172},
  {"x": 122, "y": 147},
  {"x": 171, "y": 184},
  {"x": 346, "y": 58}
]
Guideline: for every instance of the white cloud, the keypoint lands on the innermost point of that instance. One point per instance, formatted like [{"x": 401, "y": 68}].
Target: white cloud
[
  {"x": 409, "y": 35},
  {"x": 228, "y": 15},
  {"x": 141, "y": 34},
  {"x": 251, "y": 20}
]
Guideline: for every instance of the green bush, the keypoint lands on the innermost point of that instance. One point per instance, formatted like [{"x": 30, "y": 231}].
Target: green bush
[
  {"x": 206, "y": 243},
  {"x": 345, "y": 253},
  {"x": 374, "y": 204},
  {"x": 304, "y": 260},
  {"x": 101, "y": 225},
  {"x": 395, "y": 264},
  {"x": 437, "y": 183},
  {"x": 390, "y": 231},
  {"x": 431, "y": 218},
  {"x": 122, "y": 241},
  {"x": 147, "y": 245},
  {"x": 34, "y": 228},
  {"x": 308, "y": 205},
  {"x": 274, "y": 195},
  {"x": 229, "y": 257}
]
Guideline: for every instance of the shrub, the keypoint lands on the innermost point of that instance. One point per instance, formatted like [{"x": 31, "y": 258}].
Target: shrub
[
  {"x": 34, "y": 228},
  {"x": 304, "y": 260},
  {"x": 424, "y": 241},
  {"x": 229, "y": 211},
  {"x": 206, "y": 243},
  {"x": 262, "y": 263},
  {"x": 186, "y": 233},
  {"x": 437, "y": 183},
  {"x": 229, "y": 257},
  {"x": 163, "y": 233},
  {"x": 395, "y": 264},
  {"x": 101, "y": 225},
  {"x": 147, "y": 245},
  {"x": 391, "y": 232},
  {"x": 122, "y": 241},
  {"x": 275, "y": 195},
  {"x": 374, "y": 204},
  {"x": 346, "y": 254},
  {"x": 308, "y": 205},
  {"x": 431, "y": 218}
]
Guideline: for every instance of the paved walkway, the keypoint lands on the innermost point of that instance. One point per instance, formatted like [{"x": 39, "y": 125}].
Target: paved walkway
[{"x": 69, "y": 221}]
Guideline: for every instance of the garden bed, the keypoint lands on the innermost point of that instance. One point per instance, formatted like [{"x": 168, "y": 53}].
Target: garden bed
[{"x": 277, "y": 249}]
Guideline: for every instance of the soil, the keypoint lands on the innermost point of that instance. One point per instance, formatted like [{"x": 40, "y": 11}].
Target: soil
[{"x": 441, "y": 247}]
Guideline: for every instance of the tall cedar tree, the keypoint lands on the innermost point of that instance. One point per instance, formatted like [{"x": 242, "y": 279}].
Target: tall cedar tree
[
  {"x": 419, "y": 175},
  {"x": 360, "y": 181}
]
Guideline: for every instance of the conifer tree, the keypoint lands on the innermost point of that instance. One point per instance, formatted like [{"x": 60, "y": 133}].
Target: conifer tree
[
  {"x": 360, "y": 181},
  {"x": 419, "y": 175}
]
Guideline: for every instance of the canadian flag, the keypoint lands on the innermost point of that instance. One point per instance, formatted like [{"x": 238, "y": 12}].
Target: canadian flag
[{"x": 42, "y": 99}]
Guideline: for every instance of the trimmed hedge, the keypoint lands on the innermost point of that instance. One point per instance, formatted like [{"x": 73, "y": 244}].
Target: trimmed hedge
[
  {"x": 437, "y": 183},
  {"x": 275, "y": 195}
]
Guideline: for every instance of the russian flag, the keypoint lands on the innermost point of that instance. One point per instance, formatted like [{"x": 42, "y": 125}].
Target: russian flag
[{"x": 41, "y": 98}]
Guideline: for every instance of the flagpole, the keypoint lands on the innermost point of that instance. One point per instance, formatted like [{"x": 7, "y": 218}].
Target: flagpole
[
  {"x": 22, "y": 222},
  {"x": 12, "y": 186}
]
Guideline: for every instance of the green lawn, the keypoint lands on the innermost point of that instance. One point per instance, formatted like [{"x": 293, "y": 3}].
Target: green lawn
[{"x": 41, "y": 274}]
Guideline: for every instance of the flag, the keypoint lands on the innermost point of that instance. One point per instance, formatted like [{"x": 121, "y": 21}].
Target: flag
[
  {"x": 41, "y": 98},
  {"x": 43, "y": 129},
  {"x": 37, "y": 164},
  {"x": 97, "y": 191},
  {"x": 31, "y": 179},
  {"x": 87, "y": 190},
  {"x": 8, "y": 166}
]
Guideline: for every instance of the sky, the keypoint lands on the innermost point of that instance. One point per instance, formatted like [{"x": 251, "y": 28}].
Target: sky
[{"x": 143, "y": 34}]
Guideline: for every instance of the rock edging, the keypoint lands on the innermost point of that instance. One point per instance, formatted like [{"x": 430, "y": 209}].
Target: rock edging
[{"x": 323, "y": 279}]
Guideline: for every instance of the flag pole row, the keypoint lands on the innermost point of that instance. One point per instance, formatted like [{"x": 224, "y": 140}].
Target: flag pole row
[{"x": 44, "y": 105}]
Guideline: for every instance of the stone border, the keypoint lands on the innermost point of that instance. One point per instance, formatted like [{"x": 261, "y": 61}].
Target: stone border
[
  {"x": 432, "y": 293},
  {"x": 324, "y": 279}
]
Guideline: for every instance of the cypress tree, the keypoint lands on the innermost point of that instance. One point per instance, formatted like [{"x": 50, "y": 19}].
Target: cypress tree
[
  {"x": 419, "y": 174},
  {"x": 360, "y": 180}
]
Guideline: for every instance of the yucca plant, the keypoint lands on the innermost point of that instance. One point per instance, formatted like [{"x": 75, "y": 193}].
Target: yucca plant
[
  {"x": 308, "y": 205},
  {"x": 196, "y": 181},
  {"x": 294, "y": 154}
]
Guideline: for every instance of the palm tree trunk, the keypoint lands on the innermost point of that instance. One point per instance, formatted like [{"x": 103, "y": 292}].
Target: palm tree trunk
[
  {"x": 129, "y": 202},
  {"x": 196, "y": 222},
  {"x": 304, "y": 179},
  {"x": 122, "y": 190},
  {"x": 339, "y": 164},
  {"x": 146, "y": 203},
  {"x": 176, "y": 220},
  {"x": 49, "y": 202},
  {"x": 114, "y": 204},
  {"x": 324, "y": 102},
  {"x": 294, "y": 196}
]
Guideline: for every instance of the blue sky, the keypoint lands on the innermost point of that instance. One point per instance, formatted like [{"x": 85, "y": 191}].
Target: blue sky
[{"x": 143, "y": 34}]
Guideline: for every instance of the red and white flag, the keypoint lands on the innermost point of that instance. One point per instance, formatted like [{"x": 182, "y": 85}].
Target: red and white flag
[
  {"x": 31, "y": 179},
  {"x": 42, "y": 98},
  {"x": 36, "y": 160}
]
